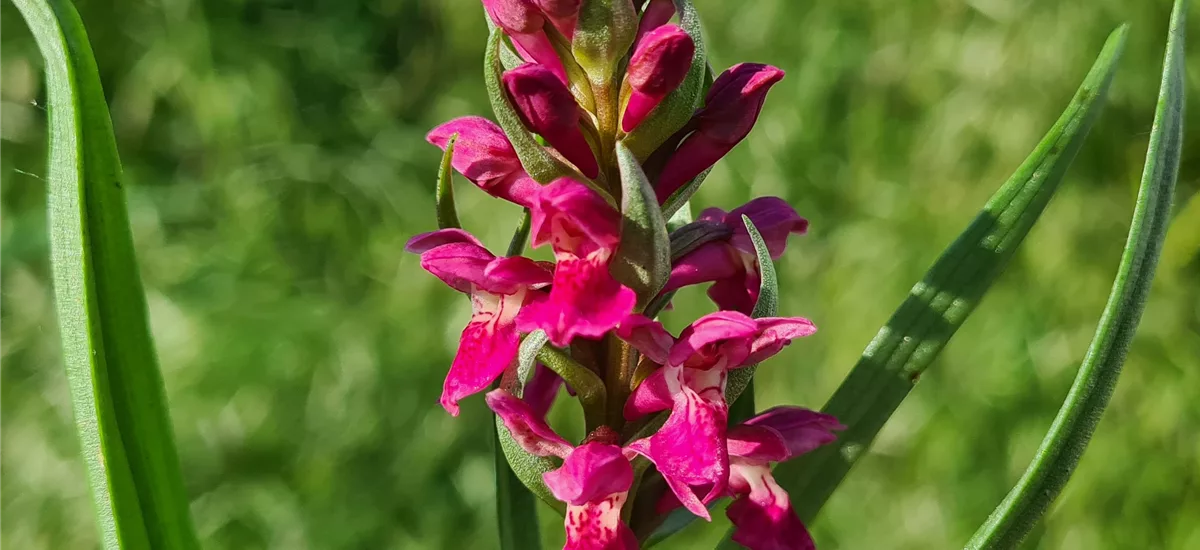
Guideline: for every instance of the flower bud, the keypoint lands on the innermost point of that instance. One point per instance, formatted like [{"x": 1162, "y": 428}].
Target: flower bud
[
  {"x": 730, "y": 110},
  {"x": 562, "y": 13},
  {"x": 547, "y": 108},
  {"x": 603, "y": 37},
  {"x": 659, "y": 64},
  {"x": 524, "y": 23},
  {"x": 656, "y": 14}
]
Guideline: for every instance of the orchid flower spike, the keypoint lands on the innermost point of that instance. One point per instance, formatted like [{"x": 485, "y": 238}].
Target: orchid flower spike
[{"x": 597, "y": 128}]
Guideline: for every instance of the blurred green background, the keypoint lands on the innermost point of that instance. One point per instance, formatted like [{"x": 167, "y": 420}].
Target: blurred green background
[{"x": 276, "y": 164}]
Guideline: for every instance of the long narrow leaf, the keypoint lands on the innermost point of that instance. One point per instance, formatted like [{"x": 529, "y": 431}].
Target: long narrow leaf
[
  {"x": 939, "y": 304},
  {"x": 1072, "y": 429},
  {"x": 516, "y": 515},
  {"x": 116, "y": 388}
]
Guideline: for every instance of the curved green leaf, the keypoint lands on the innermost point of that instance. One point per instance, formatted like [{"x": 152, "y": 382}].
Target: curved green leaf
[
  {"x": 677, "y": 108},
  {"x": 447, "y": 215},
  {"x": 643, "y": 260},
  {"x": 740, "y": 390},
  {"x": 528, "y": 468},
  {"x": 1076, "y": 421},
  {"x": 116, "y": 388},
  {"x": 939, "y": 304},
  {"x": 520, "y": 237}
]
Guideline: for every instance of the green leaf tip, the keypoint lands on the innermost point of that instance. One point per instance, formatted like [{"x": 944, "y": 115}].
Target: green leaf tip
[
  {"x": 740, "y": 388},
  {"x": 447, "y": 215},
  {"x": 643, "y": 260},
  {"x": 117, "y": 394},
  {"x": 939, "y": 304},
  {"x": 1076, "y": 421}
]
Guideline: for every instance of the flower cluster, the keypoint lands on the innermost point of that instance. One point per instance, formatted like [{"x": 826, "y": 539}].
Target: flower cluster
[{"x": 607, "y": 106}]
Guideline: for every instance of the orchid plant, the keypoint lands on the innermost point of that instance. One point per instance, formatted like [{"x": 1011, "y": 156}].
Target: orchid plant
[
  {"x": 595, "y": 81},
  {"x": 608, "y": 118}
]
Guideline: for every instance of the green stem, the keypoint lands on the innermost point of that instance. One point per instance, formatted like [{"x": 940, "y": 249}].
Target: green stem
[
  {"x": 1072, "y": 429},
  {"x": 606, "y": 126}
]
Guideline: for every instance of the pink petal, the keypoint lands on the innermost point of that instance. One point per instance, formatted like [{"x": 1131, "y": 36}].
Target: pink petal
[
  {"x": 526, "y": 426},
  {"x": 592, "y": 472},
  {"x": 730, "y": 110},
  {"x": 710, "y": 262},
  {"x": 774, "y": 219},
  {"x": 647, "y": 336},
  {"x": 656, "y": 14},
  {"x": 562, "y": 13},
  {"x": 689, "y": 450},
  {"x": 484, "y": 155},
  {"x": 654, "y": 394},
  {"x": 425, "y": 242},
  {"x": 514, "y": 16},
  {"x": 721, "y": 338},
  {"x": 547, "y": 108},
  {"x": 757, "y": 443},
  {"x": 776, "y": 332},
  {"x": 738, "y": 293},
  {"x": 734, "y": 101},
  {"x": 574, "y": 219},
  {"x": 584, "y": 301},
  {"x": 598, "y": 526},
  {"x": 695, "y": 154},
  {"x": 487, "y": 347},
  {"x": 537, "y": 47},
  {"x": 763, "y": 518},
  {"x": 541, "y": 390},
  {"x": 801, "y": 430},
  {"x": 459, "y": 265},
  {"x": 658, "y": 65},
  {"x": 509, "y": 274}
]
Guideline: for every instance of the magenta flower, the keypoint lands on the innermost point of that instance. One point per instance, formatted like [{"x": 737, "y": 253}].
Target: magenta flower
[
  {"x": 484, "y": 155},
  {"x": 658, "y": 66},
  {"x": 656, "y": 14},
  {"x": 761, "y": 512},
  {"x": 690, "y": 449},
  {"x": 583, "y": 230},
  {"x": 562, "y": 14},
  {"x": 732, "y": 264},
  {"x": 730, "y": 110},
  {"x": 524, "y": 23},
  {"x": 547, "y": 108},
  {"x": 498, "y": 287},
  {"x": 594, "y": 480}
]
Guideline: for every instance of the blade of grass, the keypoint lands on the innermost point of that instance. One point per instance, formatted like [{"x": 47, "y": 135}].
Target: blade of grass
[
  {"x": 939, "y": 304},
  {"x": 1076, "y": 421},
  {"x": 116, "y": 388}
]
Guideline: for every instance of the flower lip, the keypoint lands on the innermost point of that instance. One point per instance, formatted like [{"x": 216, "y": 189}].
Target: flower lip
[{"x": 591, "y": 472}]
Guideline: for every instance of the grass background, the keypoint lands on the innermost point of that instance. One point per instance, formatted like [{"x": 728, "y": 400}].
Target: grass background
[{"x": 275, "y": 154}]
